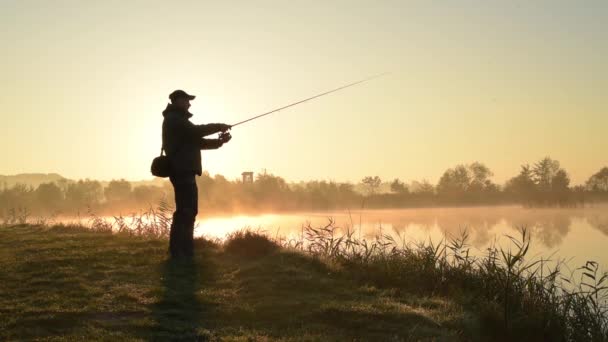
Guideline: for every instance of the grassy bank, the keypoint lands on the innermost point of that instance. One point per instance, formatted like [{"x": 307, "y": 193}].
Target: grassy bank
[
  {"x": 71, "y": 283},
  {"x": 68, "y": 283}
]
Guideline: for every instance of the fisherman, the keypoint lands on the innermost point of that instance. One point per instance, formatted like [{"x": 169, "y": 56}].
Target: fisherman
[{"x": 182, "y": 142}]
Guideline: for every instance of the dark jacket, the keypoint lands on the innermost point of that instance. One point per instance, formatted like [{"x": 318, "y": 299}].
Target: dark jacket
[{"x": 183, "y": 140}]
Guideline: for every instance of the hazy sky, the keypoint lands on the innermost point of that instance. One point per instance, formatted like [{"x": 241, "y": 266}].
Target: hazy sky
[{"x": 83, "y": 84}]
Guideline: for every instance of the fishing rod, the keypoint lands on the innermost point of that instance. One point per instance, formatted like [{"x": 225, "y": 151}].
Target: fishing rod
[{"x": 310, "y": 98}]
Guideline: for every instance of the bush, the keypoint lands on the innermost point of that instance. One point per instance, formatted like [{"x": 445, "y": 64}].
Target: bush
[{"x": 246, "y": 243}]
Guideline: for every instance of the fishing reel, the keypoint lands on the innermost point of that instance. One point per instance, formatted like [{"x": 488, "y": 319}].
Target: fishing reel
[{"x": 225, "y": 136}]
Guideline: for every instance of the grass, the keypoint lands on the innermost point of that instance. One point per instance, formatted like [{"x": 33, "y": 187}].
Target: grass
[
  {"x": 69, "y": 283},
  {"x": 511, "y": 298},
  {"x": 73, "y": 283}
]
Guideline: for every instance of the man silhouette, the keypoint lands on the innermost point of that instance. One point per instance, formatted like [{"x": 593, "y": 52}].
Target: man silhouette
[{"x": 182, "y": 142}]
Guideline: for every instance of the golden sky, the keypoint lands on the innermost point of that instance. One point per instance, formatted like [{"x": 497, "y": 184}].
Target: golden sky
[{"x": 83, "y": 84}]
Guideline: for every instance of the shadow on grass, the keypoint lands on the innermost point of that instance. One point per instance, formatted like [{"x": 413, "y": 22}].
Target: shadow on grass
[{"x": 179, "y": 313}]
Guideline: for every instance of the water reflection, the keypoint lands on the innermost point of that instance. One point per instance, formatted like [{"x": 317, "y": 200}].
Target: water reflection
[
  {"x": 576, "y": 232},
  {"x": 548, "y": 226},
  {"x": 599, "y": 221}
]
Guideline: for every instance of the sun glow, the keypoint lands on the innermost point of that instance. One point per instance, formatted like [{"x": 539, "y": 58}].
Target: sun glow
[{"x": 220, "y": 227}]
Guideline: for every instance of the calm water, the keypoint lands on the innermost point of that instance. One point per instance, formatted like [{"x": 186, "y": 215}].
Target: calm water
[{"x": 577, "y": 235}]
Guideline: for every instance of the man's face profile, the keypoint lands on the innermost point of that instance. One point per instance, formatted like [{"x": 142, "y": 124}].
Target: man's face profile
[{"x": 182, "y": 103}]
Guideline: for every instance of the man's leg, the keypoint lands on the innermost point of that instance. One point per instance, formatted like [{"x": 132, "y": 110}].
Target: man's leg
[
  {"x": 186, "y": 207},
  {"x": 176, "y": 223},
  {"x": 189, "y": 224},
  {"x": 174, "y": 235}
]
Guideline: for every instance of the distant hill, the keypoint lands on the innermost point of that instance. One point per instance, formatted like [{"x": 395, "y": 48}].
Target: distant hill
[
  {"x": 35, "y": 179},
  {"x": 32, "y": 179},
  {"x": 154, "y": 182}
]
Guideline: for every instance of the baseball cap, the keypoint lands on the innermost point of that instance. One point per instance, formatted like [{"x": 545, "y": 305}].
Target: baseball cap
[{"x": 178, "y": 94}]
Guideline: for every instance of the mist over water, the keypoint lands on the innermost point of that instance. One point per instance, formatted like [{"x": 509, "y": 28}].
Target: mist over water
[
  {"x": 577, "y": 234},
  {"x": 573, "y": 235}
]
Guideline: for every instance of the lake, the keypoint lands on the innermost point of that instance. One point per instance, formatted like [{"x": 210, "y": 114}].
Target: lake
[{"x": 575, "y": 234}]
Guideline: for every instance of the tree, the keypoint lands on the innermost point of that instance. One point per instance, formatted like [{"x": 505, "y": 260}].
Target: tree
[
  {"x": 398, "y": 187},
  {"x": 543, "y": 173},
  {"x": 148, "y": 194},
  {"x": 522, "y": 185},
  {"x": 545, "y": 183},
  {"x": 599, "y": 181},
  {"x": 268, "y": 183},
  {"x": 560, "y": 187},
  {"x": 423, "y": 187},
  {"x": 551, "y": 180},
  {"x": 84, "y": 192},
  {"x": 454, "y": 181},
  {"x": 270, "y": 191},
  {"x": 118, "y": 191},
  {"x": 480, "y": 177},
  {"x": 18, "y": 196},
  {"x": 560, "y": 181},
  {"x": 372, "y": 183},
  {"x": 49, "y": 195}
]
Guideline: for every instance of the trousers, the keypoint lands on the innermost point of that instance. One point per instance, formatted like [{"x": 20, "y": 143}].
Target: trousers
[{"x": 181, "y": 236}]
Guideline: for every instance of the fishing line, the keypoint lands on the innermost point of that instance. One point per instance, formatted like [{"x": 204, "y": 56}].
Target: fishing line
[{"x": 310, "y": 98}]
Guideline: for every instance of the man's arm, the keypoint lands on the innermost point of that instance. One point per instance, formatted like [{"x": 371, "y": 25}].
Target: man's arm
[
  {"x": 190, "y": 131},
  {"x": 208, "y": 129},
  {"x": 210, "y": 144}
]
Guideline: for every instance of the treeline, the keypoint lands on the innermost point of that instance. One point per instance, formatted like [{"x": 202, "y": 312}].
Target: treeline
[
  {"x": 543, "y": 183},
  {"x": 78, "y": 197}
]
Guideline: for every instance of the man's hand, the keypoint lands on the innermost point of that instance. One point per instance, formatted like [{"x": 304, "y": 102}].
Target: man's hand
[
  {"x": 224, "y": 127},
  {"x": 225, "y": 137}
]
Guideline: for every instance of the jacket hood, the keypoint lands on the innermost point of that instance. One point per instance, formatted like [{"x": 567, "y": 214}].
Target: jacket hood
[{"x": 173, "y": 110}]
